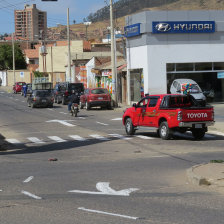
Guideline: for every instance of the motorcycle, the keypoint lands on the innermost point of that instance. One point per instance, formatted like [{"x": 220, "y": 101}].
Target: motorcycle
[{"x": 74, "y": 109}]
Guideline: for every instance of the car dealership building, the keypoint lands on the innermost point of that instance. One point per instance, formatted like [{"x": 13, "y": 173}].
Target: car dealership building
[{"x": 167, "y": 45}]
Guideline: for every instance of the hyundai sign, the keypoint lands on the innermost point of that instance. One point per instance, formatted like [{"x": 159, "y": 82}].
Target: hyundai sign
[
  {"x": 184, "y": 27},
  {"x": 132, "y": 30}
]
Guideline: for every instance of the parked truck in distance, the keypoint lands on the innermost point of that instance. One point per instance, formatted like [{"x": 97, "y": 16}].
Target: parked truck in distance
[{"x": 169, "y": 113}]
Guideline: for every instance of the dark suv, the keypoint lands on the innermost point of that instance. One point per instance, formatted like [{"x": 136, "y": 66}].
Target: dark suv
[{"x": 63, "y": 90}]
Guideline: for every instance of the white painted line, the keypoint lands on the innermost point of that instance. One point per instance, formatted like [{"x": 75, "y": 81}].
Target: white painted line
[
  {"x": 0, "y": 190},
  {"x": 31, "y": 195},
  {"x": 63, "y": 113},
  {"x": 62, "y": 122},
  {"x": 77, "y": 137},
  {"x": 23, "y": 101},
  {"x": 117, "y": 119},
  {"x": 13, "y": 141},
  {"x": 28, "y": 179},
  {"x": 108, "y": 213},
  {"x": 119, "y": 136},
  {"x": 216, "y": 133},
  {"x": 144, "y": 137},
  {"x": 101, "y": 123},
  {"x": 57, "y": 139},
  {"x": 35, "y": 140},
  {"x": 50, "y": 109},
  {"x": 16, "y": 99},
  {"x": 83, "y": 118},
  {"x": 99, "y": 137}
]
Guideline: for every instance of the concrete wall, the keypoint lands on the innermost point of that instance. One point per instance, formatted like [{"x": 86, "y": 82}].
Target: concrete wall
[
  {"x": 20, "y": 76},
  {"x": 3, "y": 78}
]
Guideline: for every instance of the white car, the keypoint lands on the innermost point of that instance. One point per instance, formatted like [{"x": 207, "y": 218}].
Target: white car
[{"x": 178, "y": 85}]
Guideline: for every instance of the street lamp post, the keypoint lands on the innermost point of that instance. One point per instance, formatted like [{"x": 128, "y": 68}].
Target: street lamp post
[
  {"x": 69, "y": 48},
  {"x": 13, "y": 58},
  {"x": 87, "y": 24}
]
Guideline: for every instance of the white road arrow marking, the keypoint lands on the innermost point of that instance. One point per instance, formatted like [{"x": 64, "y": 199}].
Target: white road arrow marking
[
  {"x": 101, "y": 123},
  {"x": 105, "y": 189},
  {"x": 64, "y": 122}
]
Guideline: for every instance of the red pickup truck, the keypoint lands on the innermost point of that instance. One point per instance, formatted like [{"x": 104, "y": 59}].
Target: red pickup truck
[{"x": 169, "y": 113}]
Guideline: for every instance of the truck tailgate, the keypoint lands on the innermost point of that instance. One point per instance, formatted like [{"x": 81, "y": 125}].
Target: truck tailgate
[{"x": 203, "y": 114}]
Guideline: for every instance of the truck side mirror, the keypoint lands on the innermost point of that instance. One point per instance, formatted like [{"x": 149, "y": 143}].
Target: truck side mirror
[{"x": 134, "y": 105}]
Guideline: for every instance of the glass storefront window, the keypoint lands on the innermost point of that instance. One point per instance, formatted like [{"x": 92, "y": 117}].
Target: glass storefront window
[
  {"x": 207, "y": 66},
  {"x": 184, "y": 66},
  {"x": 170, "y": 67},
  {"x": 136, "y": 76},
  {"x": 218, "y": 65}
]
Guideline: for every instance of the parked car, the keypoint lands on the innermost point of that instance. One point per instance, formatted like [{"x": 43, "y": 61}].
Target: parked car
[
  {"x": 63, "y": 90},
  {"x": 40, "y": 98},
  {"x": 179, "y": 86},
  {"x": 17, "y": 87},
  {"x": 93, "y": 97},
  {"x": 29, "y": 89}
]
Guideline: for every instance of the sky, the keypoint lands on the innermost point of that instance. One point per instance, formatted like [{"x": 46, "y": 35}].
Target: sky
[{"x": 56, "y": 11}]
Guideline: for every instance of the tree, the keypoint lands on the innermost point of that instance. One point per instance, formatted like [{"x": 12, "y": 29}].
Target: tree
[{"x": 6, "y": 58}]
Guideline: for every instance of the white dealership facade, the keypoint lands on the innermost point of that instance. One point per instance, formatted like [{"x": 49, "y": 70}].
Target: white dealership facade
[{"x": 166, "y": 45}]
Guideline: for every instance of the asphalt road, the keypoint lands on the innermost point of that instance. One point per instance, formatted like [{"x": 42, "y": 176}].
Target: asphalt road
[{"x": 100, "y": 175}]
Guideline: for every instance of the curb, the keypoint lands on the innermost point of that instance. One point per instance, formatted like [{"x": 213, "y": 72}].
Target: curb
[{"x": 196, "y": 179}]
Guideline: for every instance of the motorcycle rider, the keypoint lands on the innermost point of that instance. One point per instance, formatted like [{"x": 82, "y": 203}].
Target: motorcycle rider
[{"x": 74, "y": 98}]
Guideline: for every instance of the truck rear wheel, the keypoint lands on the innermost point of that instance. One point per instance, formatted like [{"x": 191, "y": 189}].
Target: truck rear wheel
[
  {"x": 164, "y": 131},
  {"x": 198, "y": 133},
  {"x": 129, "y": 127}
]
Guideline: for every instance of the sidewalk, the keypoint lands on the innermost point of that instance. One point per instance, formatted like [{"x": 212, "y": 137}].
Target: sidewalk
[{"x": 209, "y": 174}]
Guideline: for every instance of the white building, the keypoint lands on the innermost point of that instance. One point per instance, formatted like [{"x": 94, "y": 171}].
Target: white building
[{"x": 166, "y": 45}]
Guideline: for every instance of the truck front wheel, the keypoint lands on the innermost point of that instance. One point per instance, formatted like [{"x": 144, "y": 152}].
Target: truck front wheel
[
  {"x": 129, "y": 127},
  {"x": 198, "y": 133},
  {"x": 164, "y": 131}
]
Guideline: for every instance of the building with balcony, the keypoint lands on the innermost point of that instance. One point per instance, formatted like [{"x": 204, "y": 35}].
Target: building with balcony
[{"x": 30, "y": 23}]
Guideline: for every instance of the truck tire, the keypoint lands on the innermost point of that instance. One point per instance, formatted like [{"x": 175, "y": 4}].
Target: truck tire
[
  {"x": 198, "y": 133},
  {"x": 87, "y": 106},
  {"x": 81, "y": 105},
  {"x": 129, "y": 127},
  {"x": 165, "y": 132}
]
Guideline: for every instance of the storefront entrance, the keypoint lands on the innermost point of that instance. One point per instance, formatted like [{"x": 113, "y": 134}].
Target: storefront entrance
[
  {"x": 210, "y": 81},
  {"x": 136, "y": 84}
]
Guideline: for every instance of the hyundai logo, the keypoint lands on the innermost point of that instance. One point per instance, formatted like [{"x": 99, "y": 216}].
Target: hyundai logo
[{"x": 163, "y": 27}]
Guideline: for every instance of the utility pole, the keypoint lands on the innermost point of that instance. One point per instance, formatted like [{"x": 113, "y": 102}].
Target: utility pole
[
  {"x": 69, "y": 51},
  {"x": 13, "y": 58},
  {"x": 114, "y": 84}
]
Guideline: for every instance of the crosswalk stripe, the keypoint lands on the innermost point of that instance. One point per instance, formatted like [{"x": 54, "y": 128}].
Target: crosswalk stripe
[
  {"x": 77, "y": 137},
  {"x": 35, "y": 140},
  {"x": 144, "y": 137},
  {"x": 57, "y": 139},
  {"x": 13, "y": 141},
  {"x": 99, "y": 137},
  {"x": 119, "y": 136}
]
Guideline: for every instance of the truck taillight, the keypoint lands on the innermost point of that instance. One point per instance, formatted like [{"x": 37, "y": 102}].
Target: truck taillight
[
  {"x": 179, "y": 116},
  {"x": 213, "y": 115}
]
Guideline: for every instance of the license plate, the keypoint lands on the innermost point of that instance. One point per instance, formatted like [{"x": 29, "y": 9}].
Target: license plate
[
  {"x": 198, "y": 125},
  {"x": 100, "y": 98},
  {"x": 44, "y": 101}
]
